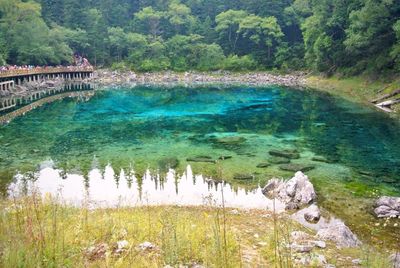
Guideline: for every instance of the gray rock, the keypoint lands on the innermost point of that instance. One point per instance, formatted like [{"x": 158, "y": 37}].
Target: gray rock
[
  {"x": 297, "y": 190},
  {"x": 299, "y": 236},
  {"x": 291, "y": 154},
  {"x": 278, "y": 160},
  {"x": 97, "y": 251},
  {"x": 201, "y": 159},
  {"x": 243, "y": 176},
  {"x": 225, "y": 157},
  {"x": 146, "y": 246},
  {"x": 320, "y": 159},
  {"x": 263, "y": 165},
  {"x": 319, "y": 244},
  {"x": 231, "y": 140},
  {"x": 273, "y": 187},
  {"x": 387, "y": 207},
  {"x": 292, "y": 206},
  {"x": 121, "y": 247},
  {"x": 312, "y": 214},
  {"x": 366, "y": 173},
  {"x": 395, "y": 260},
  {"x": 340, "y": 234},
  {"x": 296, "y": 167},
  {"x": 302, "y": 248}
]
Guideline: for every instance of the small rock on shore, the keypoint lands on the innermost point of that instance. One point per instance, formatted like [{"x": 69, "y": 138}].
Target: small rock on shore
[
  {"x": 387, "y": 207},
  {"x": 340, "y": 234}
]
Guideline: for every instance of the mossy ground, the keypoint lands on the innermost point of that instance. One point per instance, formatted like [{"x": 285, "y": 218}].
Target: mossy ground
[
  {"x": 45, "y": 233},
  {"x": 359, "y": 88}
]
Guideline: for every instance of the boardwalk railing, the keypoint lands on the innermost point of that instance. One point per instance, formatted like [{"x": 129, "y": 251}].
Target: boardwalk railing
[{"x": 45, "y": 70}]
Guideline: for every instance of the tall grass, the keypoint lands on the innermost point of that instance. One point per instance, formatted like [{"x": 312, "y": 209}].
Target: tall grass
[
  {"x": 280, "y": 242},
  {"x": 43, "y": 232}
]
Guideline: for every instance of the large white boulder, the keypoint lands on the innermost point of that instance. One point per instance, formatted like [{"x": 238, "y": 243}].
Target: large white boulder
[{"x": 296, "y": 191}]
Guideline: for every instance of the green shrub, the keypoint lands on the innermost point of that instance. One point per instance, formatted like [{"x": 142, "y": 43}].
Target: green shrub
[
  {"x": 179, "y": 64},
  {"x": 236, "y": 63},
  {"x": 121, "y": 65},
  {"x": 210, "y": 57},
  {"x": 154, "y": 65}
]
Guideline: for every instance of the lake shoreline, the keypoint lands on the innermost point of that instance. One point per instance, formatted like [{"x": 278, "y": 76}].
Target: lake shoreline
[
  {"x": 105, "y": 77},
  {"x": 357, "y": 89}
]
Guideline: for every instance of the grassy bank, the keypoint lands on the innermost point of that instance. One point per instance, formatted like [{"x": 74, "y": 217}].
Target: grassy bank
[
  {"x": 359, "y": 88},
  {"x": 44, "y": 233}
]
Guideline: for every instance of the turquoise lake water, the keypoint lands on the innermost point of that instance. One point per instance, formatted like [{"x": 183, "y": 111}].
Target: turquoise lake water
[{"x": 147, "y": 127}]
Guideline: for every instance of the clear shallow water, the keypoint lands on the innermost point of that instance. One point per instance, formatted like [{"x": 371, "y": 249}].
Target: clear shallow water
[
  {"x": 150, "y": 128},
  {"x": 147, "y": 127}
]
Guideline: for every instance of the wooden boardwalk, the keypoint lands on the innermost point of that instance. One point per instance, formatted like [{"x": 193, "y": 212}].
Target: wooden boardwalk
[
  {"x": 10, "y": 78},
  {"x": 20, "y": 76}
]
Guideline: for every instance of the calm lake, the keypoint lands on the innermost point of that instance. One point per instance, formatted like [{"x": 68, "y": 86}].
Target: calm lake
[{"x": 129, "y": 137}]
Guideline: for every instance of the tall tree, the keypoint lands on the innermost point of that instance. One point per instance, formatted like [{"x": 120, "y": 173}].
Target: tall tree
[
  {"x": 371, "y": 33},
  {"x": 261, "y": 31},
  {"x": 228, "y": 26},
  {"x": 395, "y": 51},
  {"x": 151, "y": 19},
  {"x": 96, "y": 30},
  {"x": 179, "y": 15}
]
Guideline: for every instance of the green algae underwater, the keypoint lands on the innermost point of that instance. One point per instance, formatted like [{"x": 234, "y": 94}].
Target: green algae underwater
[{"x": 351, "y": 152}]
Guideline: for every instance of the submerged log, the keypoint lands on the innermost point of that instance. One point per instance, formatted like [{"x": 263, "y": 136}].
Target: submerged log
[
  {"x": 389, "y": 102},
  {"x": 386, "y": 105},
  {"x": 386, "y": 96}
]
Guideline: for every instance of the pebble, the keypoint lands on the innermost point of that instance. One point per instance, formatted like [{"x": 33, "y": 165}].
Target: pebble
[
  {"x": 122, "y": 244},
  {"x": 320, "y": 244},
  {"x": 146, "y": 246},
  {"x": 234, "y": 212},
  {"x": 302, "y": 248}
]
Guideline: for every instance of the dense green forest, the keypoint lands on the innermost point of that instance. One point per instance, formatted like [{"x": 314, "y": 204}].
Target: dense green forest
[{"x": 346, "y": 36}]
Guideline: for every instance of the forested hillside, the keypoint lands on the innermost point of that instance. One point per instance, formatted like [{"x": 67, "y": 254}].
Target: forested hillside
[{"x": 346, "y": 36}]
